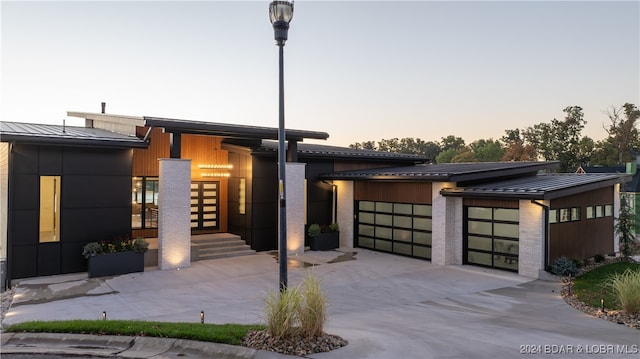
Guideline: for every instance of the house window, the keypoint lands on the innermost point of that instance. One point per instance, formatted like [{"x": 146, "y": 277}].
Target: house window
[
  {"x": 564, "y": 215},
  {"x": 144, "y": 204},
  {"x": 608, "y": 210},
  {"x": 590, "y": 213},
  {"x": 553, "y": 216},
  {"x": 49, "y": 209}
]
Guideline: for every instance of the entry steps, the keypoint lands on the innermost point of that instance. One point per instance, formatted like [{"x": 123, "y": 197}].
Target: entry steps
[{"x": 218, "y": 245}]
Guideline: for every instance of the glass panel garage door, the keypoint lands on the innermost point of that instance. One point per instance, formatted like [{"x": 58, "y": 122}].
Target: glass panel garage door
[
  {"x": 400, "y": 228},
  {"x": 491, "y": 237}
]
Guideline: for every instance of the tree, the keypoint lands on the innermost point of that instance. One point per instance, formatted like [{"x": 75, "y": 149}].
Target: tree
[
  {"x": 368, "y": 145},
  {"x": 559, "y": 140},
  {"x": 446, "y": 156},
  {"x": 622, "y": 131},
  {"x": 625, "y": 227},
  {"x": 515, "y": 147},
  {"x": 487, "y": 150},
  {"x": 451, "y": 141}
]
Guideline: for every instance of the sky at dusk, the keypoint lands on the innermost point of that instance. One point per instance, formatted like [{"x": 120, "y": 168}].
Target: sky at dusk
[{"x": 360, "y": 70}]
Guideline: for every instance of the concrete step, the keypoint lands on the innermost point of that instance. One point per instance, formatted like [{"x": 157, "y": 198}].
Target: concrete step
[
  {"x": 219, "y": 245},
  {"x": 219, "y": 255}
]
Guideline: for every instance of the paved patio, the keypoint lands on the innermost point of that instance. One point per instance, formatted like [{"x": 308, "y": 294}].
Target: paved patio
[{"x": 386, "y": 306}]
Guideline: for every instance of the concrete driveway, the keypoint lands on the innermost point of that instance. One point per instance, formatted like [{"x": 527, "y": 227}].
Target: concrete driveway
[{"x": 386, "y": 306}]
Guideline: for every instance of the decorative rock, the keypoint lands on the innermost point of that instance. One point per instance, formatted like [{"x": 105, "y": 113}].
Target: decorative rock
[{"x": 297, "y": 345}]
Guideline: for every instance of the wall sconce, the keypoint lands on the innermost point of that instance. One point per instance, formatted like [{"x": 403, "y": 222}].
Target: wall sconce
[
  {"x": 202, "y": 317},
  {"x": 104, "y": 315},
  {"x": 217, "y": 174}
]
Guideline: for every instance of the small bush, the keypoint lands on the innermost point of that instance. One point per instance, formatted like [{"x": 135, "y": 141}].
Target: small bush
[
  {"x": 598, "y": 258},
  {"x": 564, "y": 266},
  {"x": 626, "y": 286}
]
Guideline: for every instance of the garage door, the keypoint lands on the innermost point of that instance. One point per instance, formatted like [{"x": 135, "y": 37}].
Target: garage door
[
  {"x": 400, "y": 228},
  {"x": 491, "y": 237}
]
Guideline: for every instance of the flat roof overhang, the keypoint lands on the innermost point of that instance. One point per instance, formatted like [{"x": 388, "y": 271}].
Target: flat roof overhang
[
  {"x": 452, "y": 172},
  {"x": 230, "y": 131},
  {"x": 39, "y": 134},
  {"x": 517, "y": 192}
]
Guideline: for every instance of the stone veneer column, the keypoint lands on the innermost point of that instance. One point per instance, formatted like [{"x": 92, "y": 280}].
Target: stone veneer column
[
  {"x": 345, "y": 212},
  {"x": 174, "y": 211},
  {"x": 295, "y": 175},
  {"x": 531, "y": 241},
  {"x": 446, "y": 226}
]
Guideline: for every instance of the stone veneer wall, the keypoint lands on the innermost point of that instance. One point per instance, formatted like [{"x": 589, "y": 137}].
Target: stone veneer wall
[
  {"x": 295, "y": 174},
  {"x": 345, "y": 213},
  {"x": 174, "y": 210},
  {"x": 446, "y": 226},
  {"x": 531, "y": 242}
]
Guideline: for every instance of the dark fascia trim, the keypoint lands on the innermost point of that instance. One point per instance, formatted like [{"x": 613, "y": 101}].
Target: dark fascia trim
[
  {"x": 83, "y": 142},
  {"x": 492, "y": 174},
  {"x": 537, "y": 195},
  {"x": 227, "y": 130}
]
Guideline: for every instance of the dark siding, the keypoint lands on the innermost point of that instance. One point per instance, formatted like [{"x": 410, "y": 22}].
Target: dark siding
[
  {"x": 319, "y": 194},
  {"x": 264, "y": 204},
  {"x": 95, "y": 204},
  {"x": 587, "y": 237},
  {"x": 419, "y": 192}
]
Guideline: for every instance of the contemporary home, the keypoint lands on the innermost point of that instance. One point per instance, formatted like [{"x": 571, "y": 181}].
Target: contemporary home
[{"x": 62, "y": 187}]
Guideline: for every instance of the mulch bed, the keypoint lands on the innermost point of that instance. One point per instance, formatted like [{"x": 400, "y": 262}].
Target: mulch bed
[{"x": 297, "y": 345}]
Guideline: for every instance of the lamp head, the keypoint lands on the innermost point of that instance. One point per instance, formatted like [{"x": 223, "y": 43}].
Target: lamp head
[{"x": 280, "y": 14}]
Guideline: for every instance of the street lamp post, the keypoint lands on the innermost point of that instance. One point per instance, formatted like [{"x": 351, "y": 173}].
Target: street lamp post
[{"x": 280, "y": 14}]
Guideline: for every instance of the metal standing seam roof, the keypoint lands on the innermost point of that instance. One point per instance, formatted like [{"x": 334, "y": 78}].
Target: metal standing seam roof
[
  {"x": 446, "y": 172},
  {"x": 541, "y": 186},
  {"x": 318, "y": 150},
  {"x": 65, "y": 135}
]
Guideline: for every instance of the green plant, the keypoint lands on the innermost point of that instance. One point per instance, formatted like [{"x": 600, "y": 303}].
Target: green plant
[
  {"x": 118, "y": 244},
  {"x": 625, "y": 227},
  {"x": 296, "y": 310},
  {"x": 313, "y": 230},
  {"x": 218, "y": 333},
  {"x": 280, "y": 312},
  {"x": 626, "y": 287},
  {"x": 598, "y": 258},
  {"x": 312, "y": 312},
  {"x": 91, "y": 249},
  {"x": 595, "y": 285},
  {"x": 564, "y": 266}
]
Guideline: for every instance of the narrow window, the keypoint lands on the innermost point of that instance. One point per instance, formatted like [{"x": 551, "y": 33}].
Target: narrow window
[
  {"x": 575, "y": 213},
  {"x": 590, "y": 213},
  {"x": 49, "y": 209},
  {"x": 553, "y": 216},
  {"x": 564, "y": 215},
  {"x": 242, "y": 196},
  {"x": 608, "y": 210}
]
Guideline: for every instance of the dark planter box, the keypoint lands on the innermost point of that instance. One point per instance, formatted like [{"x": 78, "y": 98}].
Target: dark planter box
[
  {"x": 325, "y": 241},
  {"x": 116, "y": 264}
]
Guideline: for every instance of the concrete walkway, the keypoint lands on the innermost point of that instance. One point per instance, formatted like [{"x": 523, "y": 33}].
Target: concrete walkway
[{"x": 386, "y": 306}]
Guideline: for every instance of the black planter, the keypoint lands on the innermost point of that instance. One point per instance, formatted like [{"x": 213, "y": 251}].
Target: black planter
[
  {"x": 325, "y": 241},
  {"x": 116, "y": 264}
]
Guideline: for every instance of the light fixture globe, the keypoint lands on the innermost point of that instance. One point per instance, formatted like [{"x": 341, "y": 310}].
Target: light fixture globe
[{"x": 280, "y": 14}]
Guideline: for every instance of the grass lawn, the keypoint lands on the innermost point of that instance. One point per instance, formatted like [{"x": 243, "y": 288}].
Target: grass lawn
[
  {"x": 594, "y": 285},
  {"x": 217, "y": 333}
]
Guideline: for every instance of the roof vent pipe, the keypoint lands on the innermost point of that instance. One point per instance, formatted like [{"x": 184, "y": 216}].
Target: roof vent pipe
[{"x": 104, "y": 106}]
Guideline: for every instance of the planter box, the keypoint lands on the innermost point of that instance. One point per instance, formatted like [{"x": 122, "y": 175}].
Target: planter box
[
  {"x": 325, "y": 241},
  {"x": 115, "y": 264}
]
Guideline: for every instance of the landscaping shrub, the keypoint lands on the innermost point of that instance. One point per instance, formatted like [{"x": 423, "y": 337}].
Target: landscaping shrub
[
  {"x": 312, "y": 312},
  {"x": 626, "y": 286},
  {"x": 280, "y": 311},
  {"x": 564, "y": 266},
  {"x": 598, "y": 258},
  {"x": 296, "y": 310}
]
